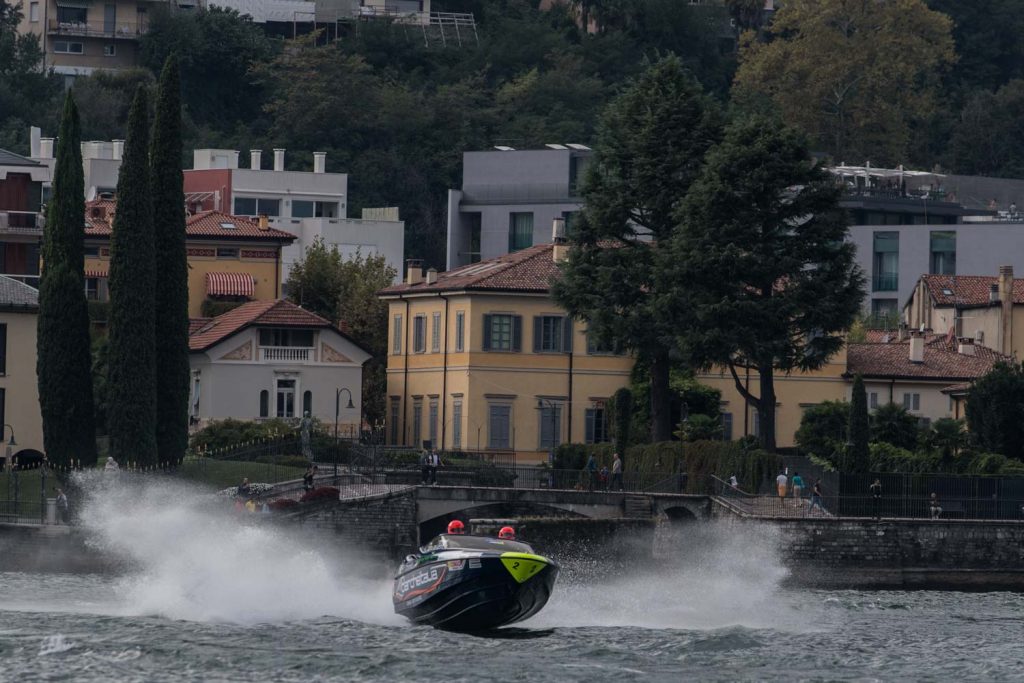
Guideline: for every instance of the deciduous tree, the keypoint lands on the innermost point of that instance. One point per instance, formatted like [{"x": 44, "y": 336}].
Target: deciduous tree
[
  {"x": 995, "y": 410},
  {"x": 892, "y": 424}
]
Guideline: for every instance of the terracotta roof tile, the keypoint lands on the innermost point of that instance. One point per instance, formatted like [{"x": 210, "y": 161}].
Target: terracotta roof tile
[
  {"x": 278, "y": 313},
  {"x": 195, "y": 323},
  {"x": 967, "y": 290},
  {"x": 99, "y": 215},
  {"x": 942, "y": 361},
  {"x": 527, "y": 270}
]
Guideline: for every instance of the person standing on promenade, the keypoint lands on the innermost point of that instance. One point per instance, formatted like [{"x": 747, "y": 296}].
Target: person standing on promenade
[
  {"x": 816, "y": 497},
  {"x": 590, "y": 470},
  {"x": 62, "y": 506},
  {"x": 781, "y": 482},
  {"x": 616, "y": 473},
  {"x": 876, "y": 498},
  {"x": 798, "y": 485},
  {"x": 933, "y": 506}
]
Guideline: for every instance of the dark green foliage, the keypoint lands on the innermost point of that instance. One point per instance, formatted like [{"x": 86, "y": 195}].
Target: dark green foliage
[
  {"x": 99, "y": 311},
  {"x": 100, "y": 352},
  {"x": 763, "y": 271},
  {"x": 63, "y": 364},
  {"x": 946, "y": 437},
  {"x": 573, "y": 456},
  {"x": 858, "y": 457},
  {"x": 892, "y": 424},
  {"x": 171, "y": 327},
  {"x": 222, "y": 434},
  {"x": 650, "y": 146},
  {"x": 989, "y": 138},
  {"x": 29, "y": 94},
  {"x": 700, "y": 428},
  {"x": 622, "y": 403},
  {"x": 701, "y": 459},
  {"x": 995, "y": 410},
  {"x": 131, "y": 385},
  {"x": 823, "y": 430}
]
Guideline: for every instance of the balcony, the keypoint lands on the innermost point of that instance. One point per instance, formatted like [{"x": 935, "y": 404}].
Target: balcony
[
  {"x": 286, "y": 354},
  {"x": 886, "y": 282},
  {"x": 27, "y": 223},
  {"x": 97, "y": 29}
]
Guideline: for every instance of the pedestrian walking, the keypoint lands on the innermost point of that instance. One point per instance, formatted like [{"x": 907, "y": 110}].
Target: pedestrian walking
[
  {"x": 62, "y": 507},
  {"x": 590, "y": 471},
  {"x": 816, "y": 498},
  {"x": 433, "y": 462},
  {"x": 617, "y": 473},
  {"x": 798, "y": 485},
  {"x": 876, "y": 498},
  {"x": 780, "y": 482}
]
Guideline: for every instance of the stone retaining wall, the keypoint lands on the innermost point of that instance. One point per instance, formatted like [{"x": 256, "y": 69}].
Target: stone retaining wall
[{"x": 385, "y": 523}]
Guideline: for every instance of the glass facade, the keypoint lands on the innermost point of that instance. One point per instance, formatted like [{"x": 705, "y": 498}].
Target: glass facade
[
  {"x": 885, "y": 275},
  {"x": 943, "y": 252}
]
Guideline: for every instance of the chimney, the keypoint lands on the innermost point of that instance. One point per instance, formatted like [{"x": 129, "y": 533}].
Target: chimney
[
  {"x": 966, "y": 346},
  {"x": 255, "y": 159},
  {"x": 264, "y": 222},
  {"x": 413, "y": 271},
  {"x": 560, "y": 251},
  {"x": 319, "y": 162},
  {"x": 431, "y": 276},
  {"x": 33, "y": 136},
  {"x": 901, "y": 332},
  {"x": 916, "y": 347},
  {"x": 993, "y": 293},
  {"x": 1005, "y": 284},
  {"x": 233, "y": 159},
  {"x": 118, "y": 149},
  {"x": 278, "y": 159},
  {"x": 45, "y": 148}
]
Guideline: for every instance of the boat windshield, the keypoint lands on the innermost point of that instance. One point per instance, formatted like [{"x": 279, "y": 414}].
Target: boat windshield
[{"x": 460, "y": 542}]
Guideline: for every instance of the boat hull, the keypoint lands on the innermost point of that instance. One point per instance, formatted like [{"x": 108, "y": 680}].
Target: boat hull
[{"x": 458, "y": 592}]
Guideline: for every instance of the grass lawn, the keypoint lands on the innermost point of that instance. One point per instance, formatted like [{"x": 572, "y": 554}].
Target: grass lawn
[
  {"x": 28, "y": 485},
  {"x": 223, "y": 473}
]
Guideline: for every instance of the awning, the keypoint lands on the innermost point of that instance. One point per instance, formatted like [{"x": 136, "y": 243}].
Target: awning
[
  {"x": 229, "y": 284},
  {"x": 96, "y": 273},
  {"x": 79, "y": 4}
]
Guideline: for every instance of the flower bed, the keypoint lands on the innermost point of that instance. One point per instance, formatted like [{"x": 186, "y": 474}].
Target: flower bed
[{"x": 320, "y": 494}]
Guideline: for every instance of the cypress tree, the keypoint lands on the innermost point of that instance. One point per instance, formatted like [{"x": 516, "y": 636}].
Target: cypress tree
[
  {"x": 859, "y": 457},
  {"x": 131, "y": 373},
  {"x": 172, "y": 366},
  {"x": 64, "y": 362}
]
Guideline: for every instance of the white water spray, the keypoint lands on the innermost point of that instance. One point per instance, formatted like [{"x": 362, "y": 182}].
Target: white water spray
[{"x": 191, "y": 557}]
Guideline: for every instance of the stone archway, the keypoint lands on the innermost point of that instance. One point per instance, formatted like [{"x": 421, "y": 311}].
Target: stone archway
[
  {"x": 679, "y": 515},
  {"x": 28, "y": 459}
]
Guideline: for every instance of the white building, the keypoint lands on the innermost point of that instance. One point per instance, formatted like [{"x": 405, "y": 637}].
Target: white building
[{"x": 269, "y": 359}]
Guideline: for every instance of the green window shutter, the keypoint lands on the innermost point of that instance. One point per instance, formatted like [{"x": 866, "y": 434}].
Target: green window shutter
[
  {"x": 487, "y": 332},
  {"x": 567, "y": 335},
  {"x": 517, "y": 333},
  {"x": 538, "y": 332}
]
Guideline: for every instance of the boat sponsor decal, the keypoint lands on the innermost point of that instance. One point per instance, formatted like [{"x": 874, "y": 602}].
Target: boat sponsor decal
[
  {"x": 474, "y": 563},
  {"x": 426, "y": 558},
  {"x": 523, "y": 566},
  {"x": 419, "y": 582},
  {"x": 456, "y": 565}
]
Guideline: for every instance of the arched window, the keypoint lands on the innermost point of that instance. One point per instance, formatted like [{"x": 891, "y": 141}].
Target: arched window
[
  {"x": 307, "y": 403},
  {"x": 264, "y": 403}
]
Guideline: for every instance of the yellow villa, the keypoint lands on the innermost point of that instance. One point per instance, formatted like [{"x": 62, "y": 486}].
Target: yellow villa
[
  {"x": 481, "y": 358},
  {"x": 20, "y": 416},
  {"x": 230, "y": 258}
]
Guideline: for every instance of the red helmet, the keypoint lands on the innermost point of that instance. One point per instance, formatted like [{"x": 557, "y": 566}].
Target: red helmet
[
  {"x": 507, "y": 532},
  {"x": 456, "y": 527}
]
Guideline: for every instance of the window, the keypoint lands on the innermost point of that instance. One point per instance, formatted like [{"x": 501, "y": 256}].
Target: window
[
  {"x": 396, "y": 336},
  {"x": 520, "y": 230},
  {"x": 65, "y": 47},
  {"x": 726, "y": 426},
  {"x": 71, "y": 15},
  {"x": 250, "y": 206},
  {"x": 595, "y": 425},
  {"x": 286, "y": 337},
  {"x": 912, "y": 401},
  {"x": 457, "y": 423},
  {"x": 3, "y": 348},
  {"x": 396, "y": 404},
  {"x": 92, "y": 288},
  {"x": 91, "y": 251},
  {"x": 460, "y": 331},
  {"x": 503, "y": 332},
  {"x": 570, "y": 218},
  {"x": 499, "y": 418},
  {"x": 419, "y": 335},
  {"x": 227, "y": 252},
  {"x": 264, "y": 403},
  {"x": 597, "y": 348},
  {"x": 435, "y": 334},
  {"x": 33, "y": 12},
  {"x": 886, "y": 262},
  {"x": 302, "y": 209},
  {"x": 552, "y": 333},
  {"x": 285, "y": 398},
  {"x": 432, "y": 429},
  {"x": 884, "y": 311},
  {"x": 417, "y": 422},
  {"x": 872, "y": 400},
  {"x": 307, "y": 209},
  {"x": 110, "y": 50},
  {"x": 943, "y": 252},
  {"x": 307, "y": 403},
  {"x": 951, "y": 403},
  {"x": 550, "y": 425}
]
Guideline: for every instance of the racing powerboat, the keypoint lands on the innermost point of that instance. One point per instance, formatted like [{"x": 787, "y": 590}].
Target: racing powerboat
[{"x": 472, "y": 583}]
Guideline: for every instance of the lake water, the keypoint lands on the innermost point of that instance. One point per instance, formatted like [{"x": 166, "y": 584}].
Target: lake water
[{"x": 205, "y": 596}]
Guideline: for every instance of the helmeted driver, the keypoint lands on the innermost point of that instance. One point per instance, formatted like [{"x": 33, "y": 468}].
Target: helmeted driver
[
  {"x": 508, "y": 533},
  {"x": 456, "y": 527}
]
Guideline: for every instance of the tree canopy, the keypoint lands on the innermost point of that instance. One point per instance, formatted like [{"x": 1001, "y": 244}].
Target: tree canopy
[{"x": 995, "y": 410}]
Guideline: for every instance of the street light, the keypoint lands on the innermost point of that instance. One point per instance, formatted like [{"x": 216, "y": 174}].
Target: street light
[
  {"x": 7, "y": 458},
  {"x": 337, "y": 406}
]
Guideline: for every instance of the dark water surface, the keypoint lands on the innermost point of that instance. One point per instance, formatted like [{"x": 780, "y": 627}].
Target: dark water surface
[{"x": 209, "y": 597}]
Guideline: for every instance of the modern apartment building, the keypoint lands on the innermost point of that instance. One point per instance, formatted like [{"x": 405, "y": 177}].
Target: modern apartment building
[
  {"x": 21, "y": 217},
  {"x": 81, "y": 36},
  {"x": 307, "y": 204},
  {"x": 509, "y": 198}
]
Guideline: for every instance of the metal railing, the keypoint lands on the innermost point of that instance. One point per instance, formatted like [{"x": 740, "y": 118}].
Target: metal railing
[
  {"x": 869, "y": 507},
  {"x": 102, "y": 29},
  {"x": 21, "y": 223},
  {"x": 886, "y": 282}
]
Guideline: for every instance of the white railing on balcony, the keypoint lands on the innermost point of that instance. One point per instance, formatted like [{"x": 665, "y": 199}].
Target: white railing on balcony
[
  {"x": 21, "y": 223},
  {"x": 286, "y": 354}
]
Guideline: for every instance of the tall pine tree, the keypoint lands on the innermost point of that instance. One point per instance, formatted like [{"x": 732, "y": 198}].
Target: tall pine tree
[
  {"x": 64, "y": 363},
  {"x": 131, "y": 374},
  {"x": 858, "y": 459},
  {"x": 172, "y": 366}
]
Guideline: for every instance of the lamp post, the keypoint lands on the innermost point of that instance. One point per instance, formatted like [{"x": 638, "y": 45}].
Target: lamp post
[
  {"x": 337, "y": 406},
  {"x": 8, "y": 464}
]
